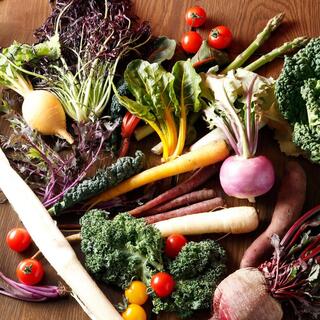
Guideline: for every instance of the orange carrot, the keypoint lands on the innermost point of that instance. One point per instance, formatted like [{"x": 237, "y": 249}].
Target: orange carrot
[{"x": 190, "y": 161}]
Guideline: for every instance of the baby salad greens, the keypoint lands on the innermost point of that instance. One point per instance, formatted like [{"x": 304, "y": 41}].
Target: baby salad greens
[
  {"x": 95, "y": 36},
  {"x": 161, "y": 98}
]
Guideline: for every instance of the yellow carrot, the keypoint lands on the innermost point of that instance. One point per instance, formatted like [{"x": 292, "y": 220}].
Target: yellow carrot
[
  {"x": 232, "y": 220},
  {"x": 190, "y": 161}
]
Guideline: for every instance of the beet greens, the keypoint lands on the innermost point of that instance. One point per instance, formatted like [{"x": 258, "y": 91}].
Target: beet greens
[{"x": 293, "y": 273}]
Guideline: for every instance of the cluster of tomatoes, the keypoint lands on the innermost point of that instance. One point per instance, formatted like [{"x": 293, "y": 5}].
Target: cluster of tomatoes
[
  {"x": 29, "y": 271},
  {"x": 162, "y": 283},
  {"x": 219, "y": 37}
]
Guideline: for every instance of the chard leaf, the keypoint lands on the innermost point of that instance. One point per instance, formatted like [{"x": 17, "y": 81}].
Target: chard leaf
[
  {"x": 187, "y": 86},
  {"x": 207, "y": 54},
  {"x": 164, "y": 49},
  {"x": 151, "y": 85}
]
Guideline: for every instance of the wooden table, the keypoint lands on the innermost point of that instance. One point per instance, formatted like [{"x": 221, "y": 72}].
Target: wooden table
[{"x": 18, "y": 18}]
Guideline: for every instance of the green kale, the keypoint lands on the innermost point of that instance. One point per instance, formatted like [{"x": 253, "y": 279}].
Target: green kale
[
  {"x": 298, "y": 94},
  {"x": 197, "y": 270},
  {"x": 122, "y": 169},
  {"x": 120, "y": 250}
]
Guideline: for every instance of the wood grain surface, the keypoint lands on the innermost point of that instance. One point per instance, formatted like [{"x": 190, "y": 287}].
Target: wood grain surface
[{"x": 18, "y": 18}]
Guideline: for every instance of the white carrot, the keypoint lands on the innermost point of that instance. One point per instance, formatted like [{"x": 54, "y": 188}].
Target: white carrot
[
  {"x": 53, "y": 245},
  {"x": 231, "y": 220}
]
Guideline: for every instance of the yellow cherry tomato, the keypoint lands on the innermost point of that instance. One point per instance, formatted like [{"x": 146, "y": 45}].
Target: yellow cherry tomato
[
  {"x": 134, "y": 312},
  {"x": 136, "y": 293}
]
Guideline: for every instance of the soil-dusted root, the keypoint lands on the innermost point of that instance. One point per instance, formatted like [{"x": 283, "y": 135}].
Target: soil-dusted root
[
  {"x": 198, "y": 178},
  {"x": 203, "y": 206},
  {"x": 288, "y": 208},
  {"x": 185, "y": 199},
  {"x": 246, "y": 288}
]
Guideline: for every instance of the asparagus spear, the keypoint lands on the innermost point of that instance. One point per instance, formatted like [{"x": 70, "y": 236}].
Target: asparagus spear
[
  {"x": 285, "y": 48},
  {"x": 259, "y": 40}
]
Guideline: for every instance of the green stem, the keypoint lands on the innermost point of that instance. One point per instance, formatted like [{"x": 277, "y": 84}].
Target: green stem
[
  {"x": 260, "y": 39},
  {"x": 286, "y": 47}
]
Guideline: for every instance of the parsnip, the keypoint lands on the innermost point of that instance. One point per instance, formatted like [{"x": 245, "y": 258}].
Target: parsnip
[
  {"x": 53, "y": 245},
  {"x": 231, "y": 220}
]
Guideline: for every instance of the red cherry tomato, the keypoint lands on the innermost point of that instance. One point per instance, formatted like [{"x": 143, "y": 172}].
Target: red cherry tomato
[
  {"x": 174, "y": 244},
  {"x": 195, "y": 16},
  {"x": 191, "y": 41},
  {"x": 220, "y": 37},
  {"x": 30, "y": 271},
  {"x": 162, "y": 284},
  {"x": 18, "y": 239}
]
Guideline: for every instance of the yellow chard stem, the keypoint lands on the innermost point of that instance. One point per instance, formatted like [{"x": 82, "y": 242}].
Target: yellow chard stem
[
  {"x": 182, "y": 132},
  {"x": 162, "y": 137},
  {"x": 171, "y": 130}
]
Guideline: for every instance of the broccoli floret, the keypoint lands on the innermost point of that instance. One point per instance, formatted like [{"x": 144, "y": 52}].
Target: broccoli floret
[
  {"x": 120, "y": 250},
  {"x": 197, "y": 270},
  {"x": 298, "y": 92},
  {"x": 122, "y": 169}
]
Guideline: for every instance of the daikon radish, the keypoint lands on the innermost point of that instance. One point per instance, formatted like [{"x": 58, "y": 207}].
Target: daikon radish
[
  {"x": 53, "y": 245},
  {"x": 231, "y": 220}
]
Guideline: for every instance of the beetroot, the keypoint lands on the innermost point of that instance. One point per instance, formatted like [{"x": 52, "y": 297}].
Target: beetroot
[{"x": 292, "y": 275}]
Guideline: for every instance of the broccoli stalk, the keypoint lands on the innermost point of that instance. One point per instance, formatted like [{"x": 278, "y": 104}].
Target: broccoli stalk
[{"x": 259, "y": 40}]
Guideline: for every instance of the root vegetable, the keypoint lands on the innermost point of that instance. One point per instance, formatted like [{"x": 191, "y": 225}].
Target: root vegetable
[
  {"x": 246, "y": 178},
  {"x": 186, "y": 199},
  {"x": 232, "y": 220},
  {"x": 43, "y": 112},
  {"x": 288, "y": 207},
  {"x": 203, "y": 206},
  {"x": 290, "y": 276},
  {"x": 246, "y": 288},
  {"x": 185, "y": 163},
  {"x": 197, "y": 179},
  {"x": 56, "y": 249}
]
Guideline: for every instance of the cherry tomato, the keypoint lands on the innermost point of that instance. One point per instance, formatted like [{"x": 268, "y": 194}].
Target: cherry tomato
[
  {"x": 136, "y": 293},
  {"x": 18, "y": 239},
  {"x": 195, "y": 16},
  {"x": 134, "y": 312},
  {"x": 162, "y": 284},
  {"x": 220, "y": 37},
  {"x": 30, "y": 271},
  {"x": 174, "y": 244},
  {"x": 191, "y": 41}
]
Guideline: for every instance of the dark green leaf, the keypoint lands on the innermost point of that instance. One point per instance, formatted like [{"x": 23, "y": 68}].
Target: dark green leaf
[{"x": 164, "y": 49}]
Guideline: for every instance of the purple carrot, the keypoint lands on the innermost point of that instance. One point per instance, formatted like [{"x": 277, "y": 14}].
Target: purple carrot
[
  {"x": 198, "y": 178},
  {"x": 184, "y": 200},
  {"x": 203, "y": 206}
]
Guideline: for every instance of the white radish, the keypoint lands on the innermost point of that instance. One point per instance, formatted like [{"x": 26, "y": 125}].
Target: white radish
[
  {"x": 231, "y": 220},
  {"x": 53, "y": 244}
]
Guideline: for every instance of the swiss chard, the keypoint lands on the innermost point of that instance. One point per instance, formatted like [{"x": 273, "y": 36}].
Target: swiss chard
[{"x": 161, "y": 98}]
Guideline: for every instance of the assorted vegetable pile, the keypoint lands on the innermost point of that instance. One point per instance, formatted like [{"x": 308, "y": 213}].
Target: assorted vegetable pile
[{"x": 95, "y": 79}]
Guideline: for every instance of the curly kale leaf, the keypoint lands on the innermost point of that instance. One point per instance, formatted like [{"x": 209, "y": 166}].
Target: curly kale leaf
[
  {"x": 120, "y": 250},
  {"x": 197, "y": 270},
  {"x": 122, "y": 169},
  {"x": 298, "y": 94}
]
